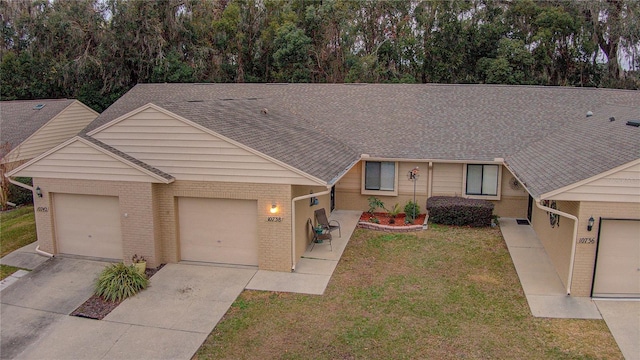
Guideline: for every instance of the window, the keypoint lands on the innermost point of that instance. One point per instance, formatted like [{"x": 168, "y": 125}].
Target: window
[
  {"x": 482, "y": 180},
  {"x": 380, "y": 175}
]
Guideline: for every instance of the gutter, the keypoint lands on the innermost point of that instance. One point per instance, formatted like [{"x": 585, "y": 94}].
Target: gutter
[
  {"x": 573, "y": 246},
  {"x": 30, "y": 188},
  {"x": 293, "y": 222}
]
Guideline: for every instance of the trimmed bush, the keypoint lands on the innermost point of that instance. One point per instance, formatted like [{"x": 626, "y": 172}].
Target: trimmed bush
[
  {"x": 411, "y": 208},
  {"x": 18, "y": 195},
  {"x": 459, "y": 211},
  {"x": 119, "y": 281}
]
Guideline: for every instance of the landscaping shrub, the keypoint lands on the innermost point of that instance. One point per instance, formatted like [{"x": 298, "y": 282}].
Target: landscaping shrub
[
  {"x": 119, "y": 281},
  {"x": 375, "y": 203},
  {"x": 409, "y": 210},
  {"x": 459, "y": 211}
]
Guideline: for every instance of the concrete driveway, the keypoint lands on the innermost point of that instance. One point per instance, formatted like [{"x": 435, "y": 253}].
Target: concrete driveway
[{"x": 168, "y": 320}]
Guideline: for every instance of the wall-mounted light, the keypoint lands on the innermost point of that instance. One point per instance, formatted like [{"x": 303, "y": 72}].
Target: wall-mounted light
[
  {"x": 274, "y": 208},
  {"x": 38, "y": 191},
  {"x": 590, "y": 223}
]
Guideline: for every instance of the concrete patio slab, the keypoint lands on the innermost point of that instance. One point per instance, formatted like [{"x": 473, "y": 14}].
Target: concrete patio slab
[
  {"x": 545, "y": 292},
  {"x": 297, "y": 283},
  {"x": 562, "y": 307},
  {"x": 26, "y": 257},
  {"x": 313, "y": 271},
  {"x": 20, "y": 327},
  {"x": 623, "y": 320}
]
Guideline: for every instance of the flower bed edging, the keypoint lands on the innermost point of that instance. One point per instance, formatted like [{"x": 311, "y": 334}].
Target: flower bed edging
[{"x": 387, "y": 228}]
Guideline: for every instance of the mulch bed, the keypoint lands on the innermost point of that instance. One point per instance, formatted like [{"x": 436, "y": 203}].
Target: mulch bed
[
  {"x": 97, "y": 308},
  {"x": 385, "y": 219}
]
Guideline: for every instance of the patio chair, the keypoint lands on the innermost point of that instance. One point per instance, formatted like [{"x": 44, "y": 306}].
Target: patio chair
[
  {"x": 320, "y": 235},
  {"x": 321, "y": 219}
]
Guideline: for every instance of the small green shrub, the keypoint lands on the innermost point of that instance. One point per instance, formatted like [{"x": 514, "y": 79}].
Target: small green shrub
[
  {"x": 374, "y": 220},
  {"x": 393, "y": 213},
  {"x": 410, "y": 209},
  {"x": 119, "y": 281},
  {"x": 459, "y": 211},
  {"x": 374, "y": 203}
]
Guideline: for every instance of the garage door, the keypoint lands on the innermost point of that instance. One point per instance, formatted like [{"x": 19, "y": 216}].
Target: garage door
[
  {"x": 618, "y": 260},
  {"x": 88, "y": 225},
  {"x": 218, "y": 230}
]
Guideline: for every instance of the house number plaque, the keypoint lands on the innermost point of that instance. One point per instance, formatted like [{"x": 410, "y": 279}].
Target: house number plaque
[
  {"x": 274, "y": 219},
  {"x": 42, "y": 209}
]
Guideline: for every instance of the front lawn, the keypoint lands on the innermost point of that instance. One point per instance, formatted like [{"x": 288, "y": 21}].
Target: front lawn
[
  {"x": 443, "y": 293},
  {"x": 17, "y": 229}
]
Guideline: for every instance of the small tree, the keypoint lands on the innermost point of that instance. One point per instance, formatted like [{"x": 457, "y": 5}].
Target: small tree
[{"x": 374, "y": 203}]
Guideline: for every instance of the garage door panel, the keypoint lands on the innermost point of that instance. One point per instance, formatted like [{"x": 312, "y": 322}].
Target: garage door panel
[
  {"x": 617, "y": 272},
  {"x": 218, "y": 230},
  {"x": 88, "y": 225}
]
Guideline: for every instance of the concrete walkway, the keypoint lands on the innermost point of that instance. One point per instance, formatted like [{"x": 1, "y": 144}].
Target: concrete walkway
[
  {"x": 314, "y": 270},
  {"x": 546, "y": 294}
]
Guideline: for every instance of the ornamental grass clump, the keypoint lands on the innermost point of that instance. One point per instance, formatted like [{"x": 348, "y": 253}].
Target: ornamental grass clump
[{"x": 119, "y": 281}]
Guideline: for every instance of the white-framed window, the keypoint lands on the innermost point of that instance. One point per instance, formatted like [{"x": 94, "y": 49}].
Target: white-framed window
[
  {"x": 379, "y": 177},
  {"x": 482, "y": 179}
]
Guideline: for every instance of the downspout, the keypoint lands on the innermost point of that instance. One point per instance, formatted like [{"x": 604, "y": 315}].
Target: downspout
[
  {"x": 430, "y": 180},
  {"x": 293, "y": 222},
  {"x": 573, "y": 245},
  {"x": 30, "y": 188}
]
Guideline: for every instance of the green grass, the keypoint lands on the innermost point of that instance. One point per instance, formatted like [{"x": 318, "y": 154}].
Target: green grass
[
  {"x": 17, "y": 229},
  {"x": 443, "y": 293}
]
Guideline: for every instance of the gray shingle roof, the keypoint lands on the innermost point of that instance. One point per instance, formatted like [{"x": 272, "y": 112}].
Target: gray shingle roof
[
  {"x": 578, "y": 150},
  {"x": 19, "y": 119},
  {"x": 323, "y": 128}
]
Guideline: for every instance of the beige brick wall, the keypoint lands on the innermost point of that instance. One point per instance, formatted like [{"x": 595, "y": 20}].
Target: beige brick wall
[
  {"x": 135, "y": 199},
  {"x": 585, "y": 252},
  {"x": 274, "y": 238}
]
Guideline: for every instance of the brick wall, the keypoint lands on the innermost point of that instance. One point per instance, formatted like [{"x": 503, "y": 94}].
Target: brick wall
[
  {"x": 274, "y": 238},
  {"x": 586, "y": 252},
  {"x": 135, "y": 200}
]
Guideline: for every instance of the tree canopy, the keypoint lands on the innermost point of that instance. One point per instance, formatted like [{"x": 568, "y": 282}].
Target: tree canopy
[{"x": 95, "y": 50}]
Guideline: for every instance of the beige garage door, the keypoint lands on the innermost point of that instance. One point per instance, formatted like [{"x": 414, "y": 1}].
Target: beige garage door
[
  {"x": 618, "y": 260},
  {"x": 218, "y": 230},
  {"x": 88, "y": 225}
]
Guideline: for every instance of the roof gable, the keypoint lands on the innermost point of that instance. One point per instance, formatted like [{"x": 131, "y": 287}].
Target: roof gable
[
  {"x": 190, "y": 151},
  {"x": 65, "y": 124},
  {"x": 81, "y": 158}
]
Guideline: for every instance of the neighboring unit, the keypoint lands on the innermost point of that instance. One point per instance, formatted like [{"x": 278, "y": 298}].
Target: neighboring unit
[{"x": 224, "y": 173}]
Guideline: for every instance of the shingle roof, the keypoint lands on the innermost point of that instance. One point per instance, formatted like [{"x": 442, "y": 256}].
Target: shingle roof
[
  {"x": 19, "y": 119},
  {"x": 323, "y": 128},
  {"x": 578, "y": 150}
]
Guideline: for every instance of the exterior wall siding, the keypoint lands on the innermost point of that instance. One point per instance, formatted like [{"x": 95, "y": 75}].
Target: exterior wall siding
[
  {"x": 274, "y": 238},
  {"x": 61, "y": 128},
  {"x": 78, "y": 160},
  {"x": 622, "y": 186},
  {"x": 135, "y": 200},
  {"x": 189, "y": 153},
  {"x": 447, "y": 180}
]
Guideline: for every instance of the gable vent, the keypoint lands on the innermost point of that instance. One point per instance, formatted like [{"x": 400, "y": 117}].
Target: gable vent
[
  {"x": 39, "y": 106},
  {"x": 635, "y": 123}
]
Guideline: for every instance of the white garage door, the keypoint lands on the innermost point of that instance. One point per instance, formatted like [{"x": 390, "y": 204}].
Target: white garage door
[
  {"x": 218, "y": 230},
  {"x": 618, "y": 260},
  {"x": 88, "y": 225}
]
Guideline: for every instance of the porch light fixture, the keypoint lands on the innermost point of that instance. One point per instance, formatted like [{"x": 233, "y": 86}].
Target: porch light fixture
[
  {"x": 38, "y": 191},
  {"x": 274, "y": 208},
  {"x": 590, "y": 223}
]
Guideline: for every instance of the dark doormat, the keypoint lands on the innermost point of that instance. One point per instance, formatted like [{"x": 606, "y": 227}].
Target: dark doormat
[{"x": 522, "y": 221}]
